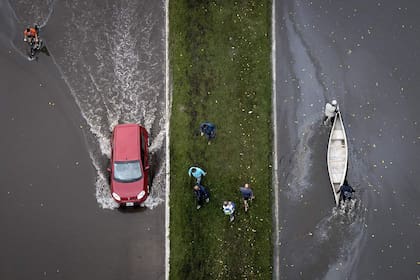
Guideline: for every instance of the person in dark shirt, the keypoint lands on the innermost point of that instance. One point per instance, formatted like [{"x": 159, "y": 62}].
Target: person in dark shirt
[
  {"x": 346, "y": 192},
  {"x": 208, "y": 129},
  {"x": 201, "y": 195},
  {"x": 247, "y": 194}
]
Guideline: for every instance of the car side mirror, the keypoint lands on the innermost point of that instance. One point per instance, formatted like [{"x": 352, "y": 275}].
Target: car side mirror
[
  {"x": 147, "y": 167},
  {"x": 109, "y": 169}
]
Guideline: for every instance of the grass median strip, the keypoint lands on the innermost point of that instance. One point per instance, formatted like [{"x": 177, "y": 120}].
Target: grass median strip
[{"x": 220, "y": 71}]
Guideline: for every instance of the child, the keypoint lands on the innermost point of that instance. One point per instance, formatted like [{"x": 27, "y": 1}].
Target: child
[{"x": 229, "y": 209}]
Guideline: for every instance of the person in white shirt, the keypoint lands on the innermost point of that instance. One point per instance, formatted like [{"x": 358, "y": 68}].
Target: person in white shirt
[
  {"x": 229, "y": 209},
  {"x": 330, "y": 111}
]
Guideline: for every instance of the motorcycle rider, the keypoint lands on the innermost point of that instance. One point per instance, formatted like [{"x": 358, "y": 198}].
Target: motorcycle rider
[{"x": 31, "y": 35}]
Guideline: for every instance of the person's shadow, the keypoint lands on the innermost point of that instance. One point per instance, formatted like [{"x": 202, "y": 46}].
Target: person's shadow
[{"x": 44, "y": 50}]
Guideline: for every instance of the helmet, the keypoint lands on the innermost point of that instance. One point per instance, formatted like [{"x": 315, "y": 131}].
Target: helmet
[{"x": 334, "y": 102}]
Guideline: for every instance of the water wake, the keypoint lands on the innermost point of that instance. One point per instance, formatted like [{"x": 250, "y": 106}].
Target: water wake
[
  {"x": 33, "y": 12},
  {"x": 115, "y": 72},
  {"x": 298, "y": 178}
]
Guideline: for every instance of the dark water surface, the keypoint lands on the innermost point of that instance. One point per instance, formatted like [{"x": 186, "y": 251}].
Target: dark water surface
[
  {"x": 58, "y": 221},
  {"x": 366, "y": 54}
]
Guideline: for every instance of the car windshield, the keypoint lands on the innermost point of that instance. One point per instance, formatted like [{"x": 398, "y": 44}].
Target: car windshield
[{"x": 127, "y": 171}]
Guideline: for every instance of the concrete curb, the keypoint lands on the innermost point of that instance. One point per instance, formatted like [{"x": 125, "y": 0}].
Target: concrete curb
[
  {"x": 276, "y": 229},
  {"x": 167, "y": 165}
]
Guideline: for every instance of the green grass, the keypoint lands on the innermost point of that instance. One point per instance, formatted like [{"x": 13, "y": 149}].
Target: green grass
[{"x": 221, "y": 72}]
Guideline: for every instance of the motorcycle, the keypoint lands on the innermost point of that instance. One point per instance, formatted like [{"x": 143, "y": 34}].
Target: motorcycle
[{"x": 34, "y": 48}]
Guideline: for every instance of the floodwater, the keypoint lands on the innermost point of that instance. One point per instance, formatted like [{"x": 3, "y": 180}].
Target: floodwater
[
  {"x": 112, "y": 59},
  {"x": 365, "y": 54},
  {"x": 104, "y": 64}
]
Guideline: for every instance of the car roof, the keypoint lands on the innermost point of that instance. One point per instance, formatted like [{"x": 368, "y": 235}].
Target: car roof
[{"x": 126, "y": 142}]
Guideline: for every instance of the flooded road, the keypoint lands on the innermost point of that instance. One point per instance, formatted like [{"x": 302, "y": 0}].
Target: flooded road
[
  {"x": 365, "y": 55},
  {"x": 113, "y": 62},
  {"x": 105, "y": 65}
]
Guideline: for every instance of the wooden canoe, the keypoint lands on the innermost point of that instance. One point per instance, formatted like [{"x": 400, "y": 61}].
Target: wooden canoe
[{"x": 337, "y": 156}]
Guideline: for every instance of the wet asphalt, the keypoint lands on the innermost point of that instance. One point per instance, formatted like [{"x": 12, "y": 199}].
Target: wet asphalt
[
  {"x": 52, "y": 226},
  {"x": 365, "y": 54}
]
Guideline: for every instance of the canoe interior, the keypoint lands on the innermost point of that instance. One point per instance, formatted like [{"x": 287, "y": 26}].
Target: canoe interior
[{"x": 337, "y": 156}]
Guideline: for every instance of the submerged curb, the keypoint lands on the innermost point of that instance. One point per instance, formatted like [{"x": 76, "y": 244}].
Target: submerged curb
[{"x": 167, "y": 161}]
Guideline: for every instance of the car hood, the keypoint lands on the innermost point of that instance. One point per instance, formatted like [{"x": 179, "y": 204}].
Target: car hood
[{"x": 127, "y": 190}]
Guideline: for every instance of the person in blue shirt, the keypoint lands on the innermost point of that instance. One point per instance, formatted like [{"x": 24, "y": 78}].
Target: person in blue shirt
[
  {"x": 197, "y": 173},
  {"x": 229, "y": 209},
  {"x": 208, "y": 129},
  {"x": 201, "y": 194},
  {"x": 247, "y": 195}
]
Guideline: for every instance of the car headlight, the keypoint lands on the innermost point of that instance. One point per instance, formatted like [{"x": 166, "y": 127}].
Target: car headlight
[
  {"x": 116, "y": 196},
  {"x": 140, "y": 195}
]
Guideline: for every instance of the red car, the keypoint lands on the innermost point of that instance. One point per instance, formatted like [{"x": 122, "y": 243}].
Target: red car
[{"x": 129, "y": 164}]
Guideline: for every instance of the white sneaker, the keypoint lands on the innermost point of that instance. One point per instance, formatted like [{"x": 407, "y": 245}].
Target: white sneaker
[
  {"x": 198, "y": 207},
  {"x": 207, "y": 200}
]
